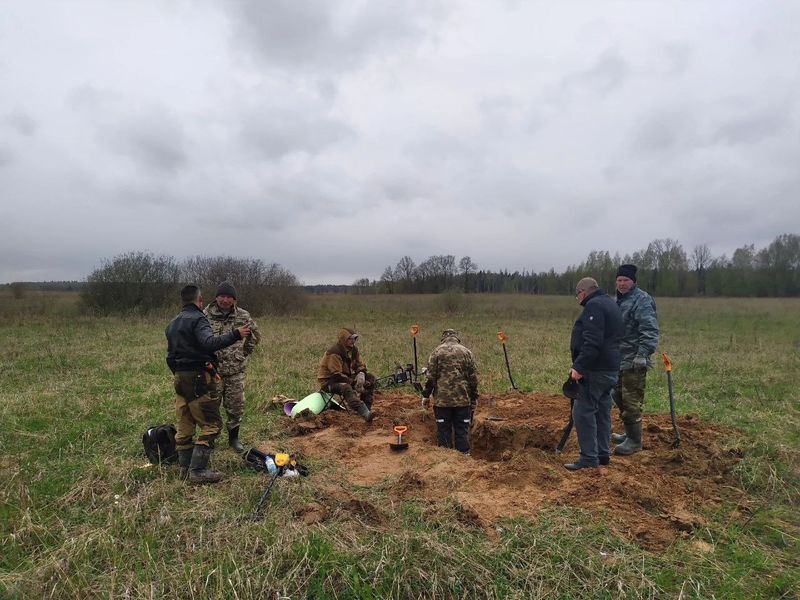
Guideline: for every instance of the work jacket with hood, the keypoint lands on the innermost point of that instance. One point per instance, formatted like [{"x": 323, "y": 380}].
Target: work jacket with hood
[
  {"x": 233, "y": 359},
  {"x": 641, "y": 326},
  {"x": 452, "y": 375},
  {"x": 595, "y": 335},
  {"x": 340, "y": 364}
]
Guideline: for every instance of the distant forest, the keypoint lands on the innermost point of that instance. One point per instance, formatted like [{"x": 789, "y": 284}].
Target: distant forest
[{"x": 665, "y": 269}]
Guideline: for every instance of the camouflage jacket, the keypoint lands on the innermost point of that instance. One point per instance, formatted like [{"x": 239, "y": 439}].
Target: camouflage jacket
[
  {"x": 453, "y": 375},
  {"x": 641, "y": 327},
  {"x": 340, "y": 364},
  {"x": 233, "y": 359}
]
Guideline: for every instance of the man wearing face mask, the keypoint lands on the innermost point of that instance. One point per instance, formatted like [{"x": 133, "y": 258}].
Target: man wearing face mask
[
  {"x": 342, "y": 371},
  {"x": 225, "y": 315}
]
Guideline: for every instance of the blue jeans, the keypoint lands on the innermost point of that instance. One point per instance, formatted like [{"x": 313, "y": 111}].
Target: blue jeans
[{"x": 592, "y": 415}]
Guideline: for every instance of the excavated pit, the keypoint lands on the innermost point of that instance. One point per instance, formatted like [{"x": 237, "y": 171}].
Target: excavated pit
[{"x": 652, "y": 497}]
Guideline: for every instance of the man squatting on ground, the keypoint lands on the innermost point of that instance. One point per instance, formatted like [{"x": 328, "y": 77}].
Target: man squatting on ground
[
  {"x": 595, "y": 365},
  {"x": 453, "y": 380},
  {"x": 191, "y": 345},
  {"x": 225, "y": 315},
  {"x": 639, "y": 341},
  {"x": 342, "y": 371}
]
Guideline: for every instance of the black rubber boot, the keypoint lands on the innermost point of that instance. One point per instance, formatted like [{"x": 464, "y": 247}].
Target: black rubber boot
[
  {"x": 633, "y": 440},
  {"x": 184, "y": 460},
  {"x": 365, "y": 413},
  {"x": 618, "y": 438},
  {"x": 198, "y": 469},
  {"x": 233, "y": 440}
]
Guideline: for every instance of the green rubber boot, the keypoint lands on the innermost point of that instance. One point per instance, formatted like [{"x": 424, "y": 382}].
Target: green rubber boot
[
  {"x": 184, "y": 460},
  {"x": 633, "y": 440},
  {"x": 198, "y": 469}
]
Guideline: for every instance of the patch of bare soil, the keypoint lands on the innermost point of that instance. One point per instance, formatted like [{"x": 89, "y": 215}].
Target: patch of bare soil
[{"x": 651, "y": 497}]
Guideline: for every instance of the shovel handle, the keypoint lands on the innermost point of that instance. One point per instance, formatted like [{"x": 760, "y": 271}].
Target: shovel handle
[
  {"x": 414, "y": 330},
  {"x": 501, "y": 337},
  {"x": 400, "y": 429},
  {"x": 667, "y": 363}
]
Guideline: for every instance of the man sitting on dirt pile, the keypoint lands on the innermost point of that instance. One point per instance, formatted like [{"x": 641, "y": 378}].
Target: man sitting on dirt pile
[
  {"x": 638, "y": 343},
  {"x": 342, "y": 371},
  {"x": 594, "y": 345},
  {"x": 453, "y": 381},
  {"x": 225, "y": 314},
  {"x": 191, "y": 347}
]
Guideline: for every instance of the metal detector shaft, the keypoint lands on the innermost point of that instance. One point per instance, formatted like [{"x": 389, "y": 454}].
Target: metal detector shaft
[
  {"x": 255, "y": 514},
  {"x": 416, "y": 370},
  {"x": 567, "y": 430}
]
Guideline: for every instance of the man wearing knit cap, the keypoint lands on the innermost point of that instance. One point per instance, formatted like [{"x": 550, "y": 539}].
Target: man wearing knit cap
[
  {"x": 342, "y": 371},
  {"x": 453, "y": 381},
  {"x": 224, "y": 314},
  {"x": 638, "y": 343}
]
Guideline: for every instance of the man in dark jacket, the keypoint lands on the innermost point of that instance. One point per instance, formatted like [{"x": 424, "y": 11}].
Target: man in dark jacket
[
  {"x": 595, "y": 365},
  {"x": 191, "y": 347},
  {"x": 639, "y": 341}
]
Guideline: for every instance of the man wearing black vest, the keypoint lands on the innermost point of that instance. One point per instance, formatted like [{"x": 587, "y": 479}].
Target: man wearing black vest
[{"x": 191, "y": 348}]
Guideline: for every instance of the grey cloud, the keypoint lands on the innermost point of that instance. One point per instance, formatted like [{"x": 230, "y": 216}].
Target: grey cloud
[
  {"x": 154, "y": 139},
  {"x": 6, "y": 156},
  {"x": 323, "y": 35},
  {"x": 751, "y": 128},
  {"x": 276, "y": 132},
  {"x": 20, "y": 123},
  {"x": 608, "y": 73},
  {"x": 665, "y": 131}
]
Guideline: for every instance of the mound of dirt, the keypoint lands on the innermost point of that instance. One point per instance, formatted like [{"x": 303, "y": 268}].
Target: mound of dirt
[{"x": 651, "y": 497}]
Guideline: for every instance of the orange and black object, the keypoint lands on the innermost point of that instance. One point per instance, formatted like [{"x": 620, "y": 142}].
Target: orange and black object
[
  {"x": 502, "y": 338},
  {"x": 668, "y": 367}
]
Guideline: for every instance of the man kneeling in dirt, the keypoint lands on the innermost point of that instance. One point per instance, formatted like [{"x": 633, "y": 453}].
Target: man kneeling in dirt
[
  {"x": 453, "y": 380},
  {"x": 342, "y": 371}
]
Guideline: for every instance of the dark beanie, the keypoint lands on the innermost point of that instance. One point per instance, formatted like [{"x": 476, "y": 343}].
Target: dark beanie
[
  {"x": 628, "y": 271},
  {"x": 226, "y": 289}
]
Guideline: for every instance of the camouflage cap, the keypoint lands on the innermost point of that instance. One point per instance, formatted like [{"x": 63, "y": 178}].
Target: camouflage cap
[{"x": 450, "y": 333}]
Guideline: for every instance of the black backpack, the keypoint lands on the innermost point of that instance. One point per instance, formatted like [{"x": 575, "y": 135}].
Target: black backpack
[{"x": 159, "y": 444}]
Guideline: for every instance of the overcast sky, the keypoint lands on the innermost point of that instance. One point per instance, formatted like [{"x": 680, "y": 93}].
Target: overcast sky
[{"x": 336, "y": 137}]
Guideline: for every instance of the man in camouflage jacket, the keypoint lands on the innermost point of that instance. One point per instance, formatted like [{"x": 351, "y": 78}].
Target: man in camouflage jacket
[
  {"x": 638, "y": 343},
  {"x": 453, "y": 381},
  {"x": 225, "y": 315},
  {"x": 343, "y": 371}
]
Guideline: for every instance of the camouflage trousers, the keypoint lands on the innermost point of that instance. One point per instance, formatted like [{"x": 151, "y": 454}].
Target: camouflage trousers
[
  {"x": 195, "y": 408},
  {"x": 628, "y": 394},
  {"x": 352, "y": 398},
  {"x": 230, "y": 391}
]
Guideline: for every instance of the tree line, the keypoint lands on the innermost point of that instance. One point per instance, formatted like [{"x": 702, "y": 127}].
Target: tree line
[
  {"x": 141, "y": 282},
  {"x": 665, "y": 269}
]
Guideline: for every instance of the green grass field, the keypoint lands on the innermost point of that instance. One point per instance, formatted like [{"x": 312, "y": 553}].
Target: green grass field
[{"x": 81, "y": 516}]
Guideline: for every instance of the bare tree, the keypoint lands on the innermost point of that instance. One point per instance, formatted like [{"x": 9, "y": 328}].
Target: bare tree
[{"x": 466, "y": 267}]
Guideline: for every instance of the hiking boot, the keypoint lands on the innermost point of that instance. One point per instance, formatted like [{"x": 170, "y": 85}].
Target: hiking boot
[
  {"x": 618, "y": 438},
  {"x": 364, "y": 413},
  {"x": 233, "y": 440},
  {"x": 184, "y": 460},
  {"x": 604, "y": 460},
  {"x": 198, "y": 469},
  {"x": 633, "y": 440}
]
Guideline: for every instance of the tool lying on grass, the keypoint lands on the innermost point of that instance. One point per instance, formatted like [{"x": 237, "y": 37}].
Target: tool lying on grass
[
  {"x": 571, "y": 390},
  {"x": 502, "y": 337},
  {"x": 400, "y": 444},
  {"x": 277, "y": 465},
  {"x": 668, "y": 366}
]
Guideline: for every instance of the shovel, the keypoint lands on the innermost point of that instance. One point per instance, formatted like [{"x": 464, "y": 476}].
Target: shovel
[
  {"x": 668, "y": 366},
  {"x": 502, "y": 337}
]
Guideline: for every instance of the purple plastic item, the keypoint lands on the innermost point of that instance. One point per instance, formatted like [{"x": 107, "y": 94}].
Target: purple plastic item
[{"x": 287, "y": 408}]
